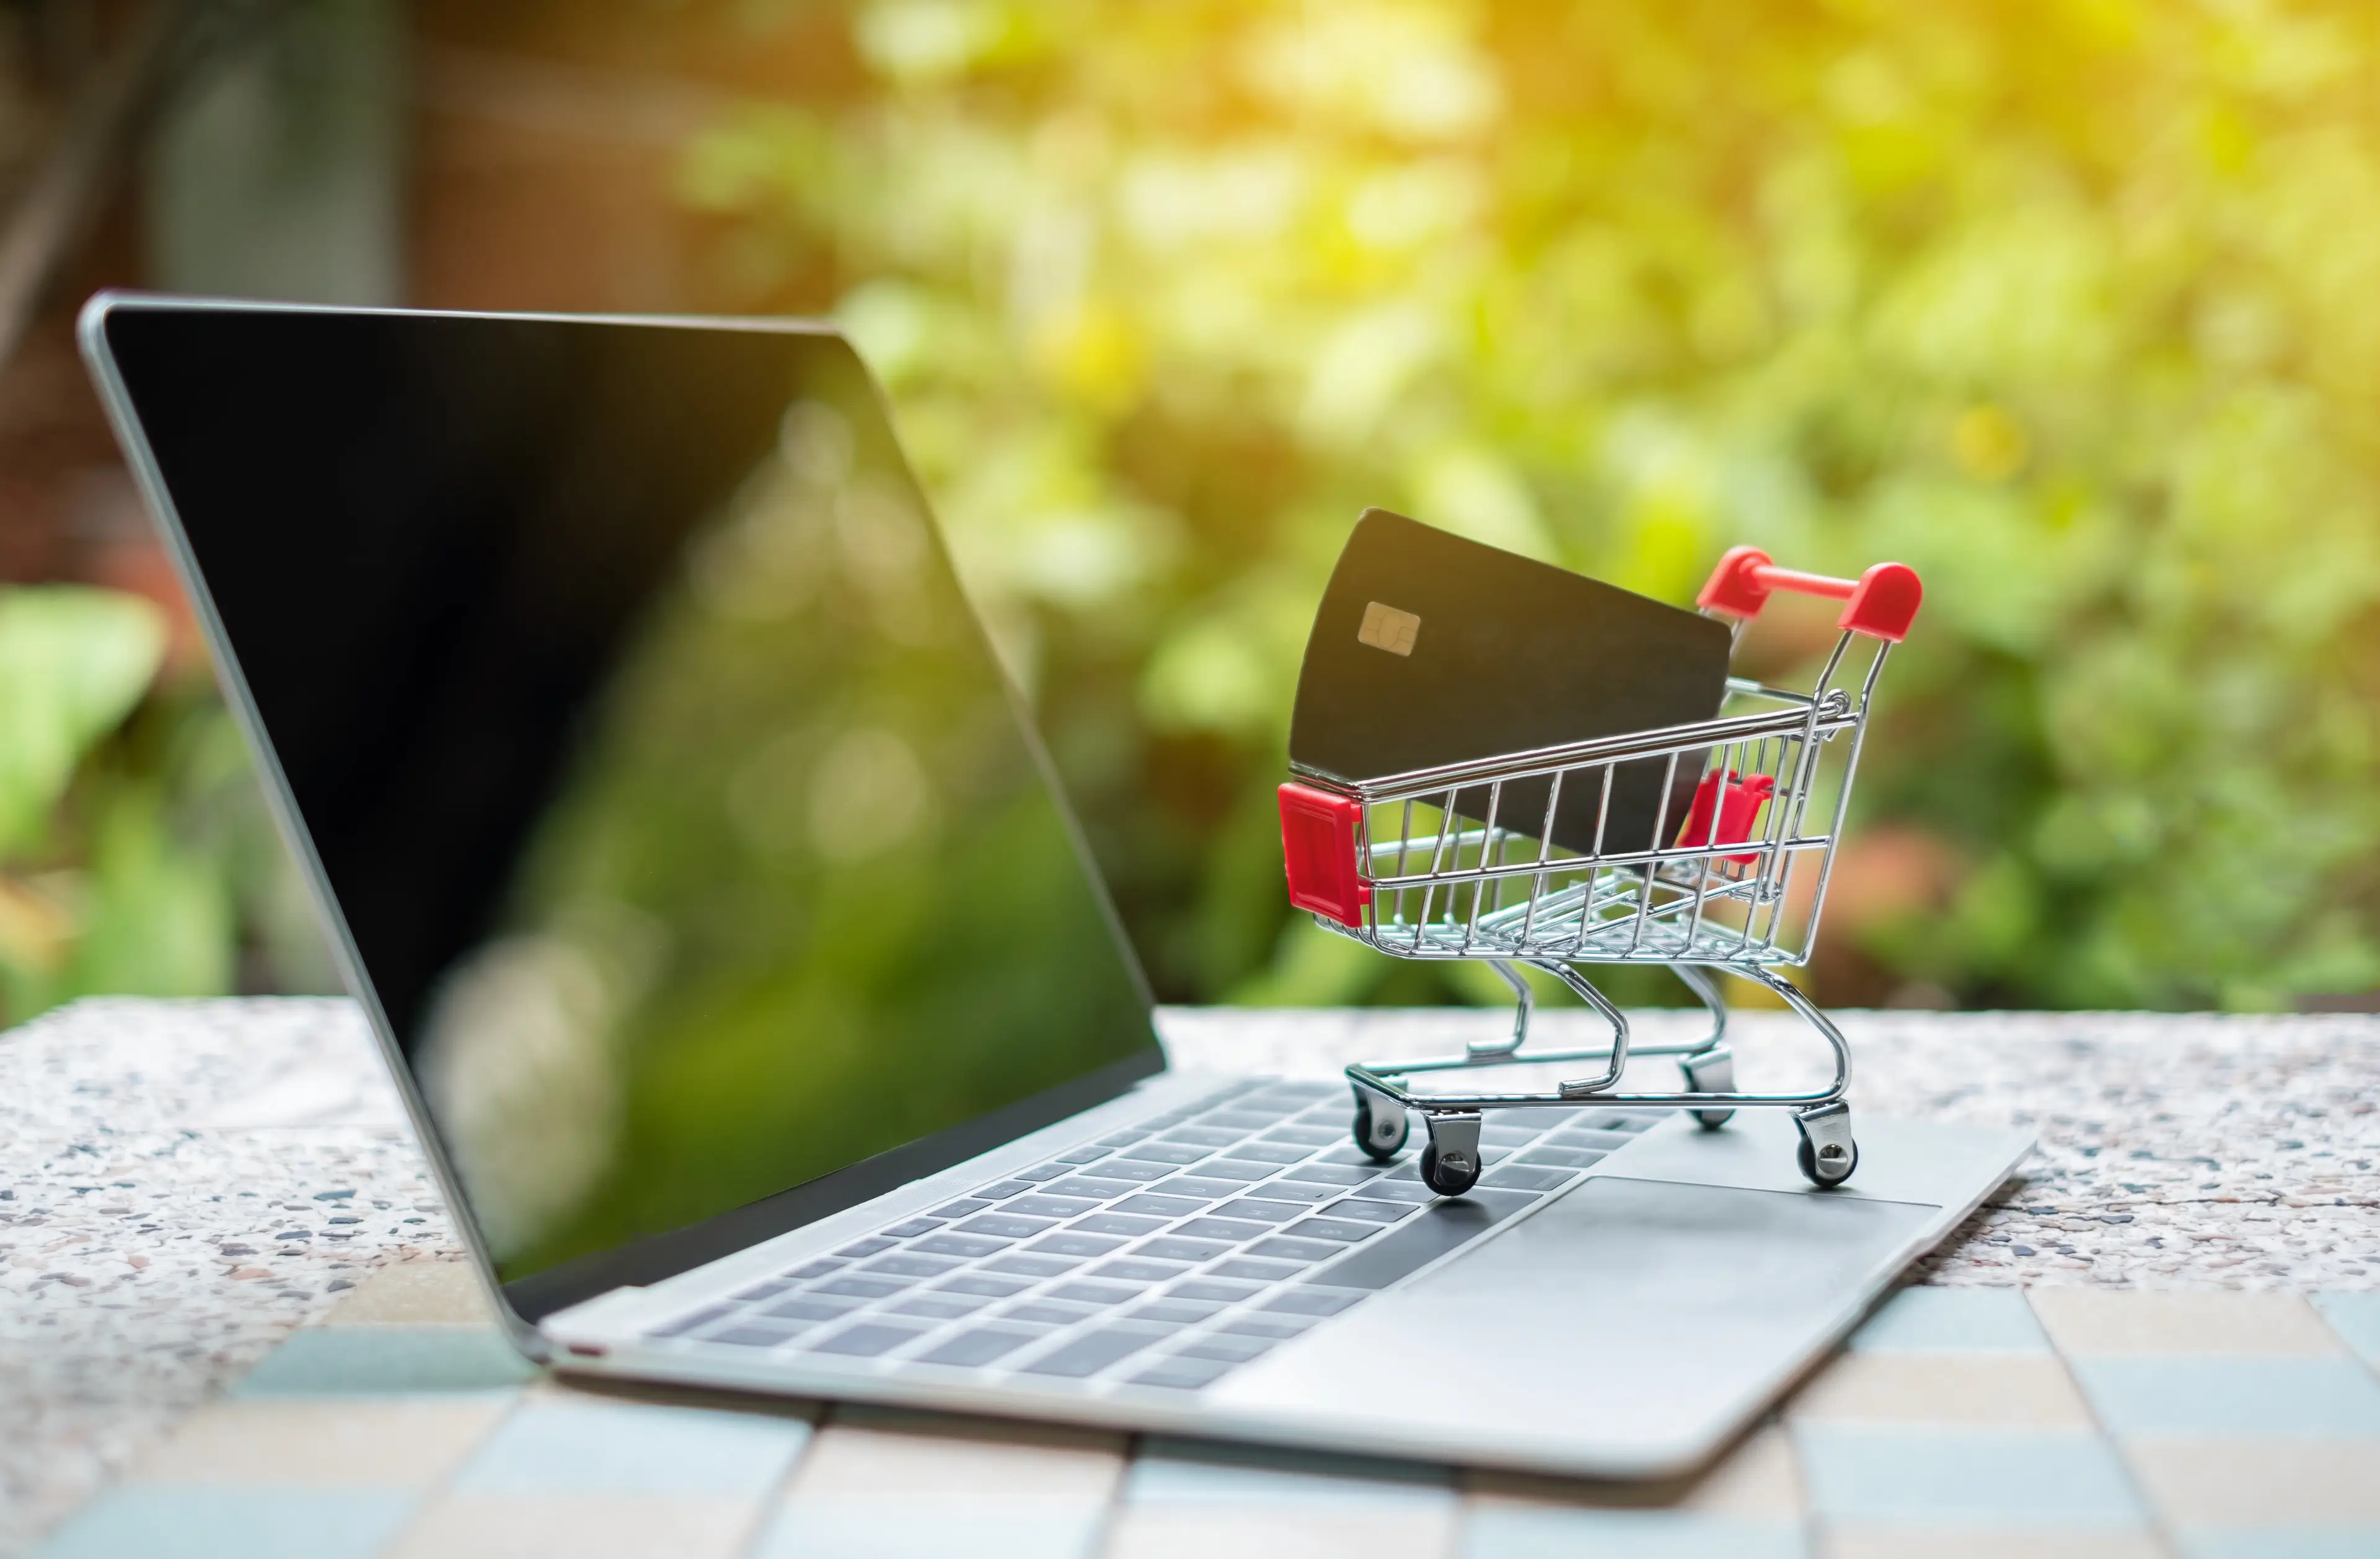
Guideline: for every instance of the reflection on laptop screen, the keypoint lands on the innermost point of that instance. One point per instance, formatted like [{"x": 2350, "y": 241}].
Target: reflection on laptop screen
[{"x": 679, "y": 816}]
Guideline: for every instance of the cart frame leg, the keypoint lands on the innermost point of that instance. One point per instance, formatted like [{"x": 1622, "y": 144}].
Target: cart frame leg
[
  {"x": 1711, "y": 1069},
  {"x": 1525, "y": 1005}
]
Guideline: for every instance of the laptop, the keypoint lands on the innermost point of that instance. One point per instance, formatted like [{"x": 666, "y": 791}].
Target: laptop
[{"x": 753, "y": 991}]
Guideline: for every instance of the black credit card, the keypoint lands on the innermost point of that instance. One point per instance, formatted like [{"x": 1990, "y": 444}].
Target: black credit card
[{"x": 1432, "y": 649}]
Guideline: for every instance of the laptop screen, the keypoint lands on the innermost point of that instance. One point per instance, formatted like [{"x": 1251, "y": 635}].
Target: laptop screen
[{"x": 681, "y": 827}]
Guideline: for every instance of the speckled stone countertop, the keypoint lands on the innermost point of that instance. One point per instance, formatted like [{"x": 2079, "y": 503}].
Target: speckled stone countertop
[{"x": 183, "y": 1183}]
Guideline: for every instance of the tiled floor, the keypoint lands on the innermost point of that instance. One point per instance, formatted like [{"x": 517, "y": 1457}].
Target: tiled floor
[{"x": 2057, "y": 1422}]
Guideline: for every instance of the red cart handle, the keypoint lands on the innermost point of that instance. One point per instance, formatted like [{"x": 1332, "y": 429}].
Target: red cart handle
[{"x": 1882, "y": 602}]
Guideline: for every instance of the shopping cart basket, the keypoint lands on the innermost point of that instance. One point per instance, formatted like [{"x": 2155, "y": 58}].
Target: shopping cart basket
[{"x": 1430, "y": 864}]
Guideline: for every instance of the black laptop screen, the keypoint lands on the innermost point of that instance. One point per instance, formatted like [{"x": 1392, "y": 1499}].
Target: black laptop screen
[{"x": 682, "y": 822}]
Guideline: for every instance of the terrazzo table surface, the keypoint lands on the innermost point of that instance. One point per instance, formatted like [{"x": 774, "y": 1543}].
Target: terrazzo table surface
[{"x": 233, "y": 1322}]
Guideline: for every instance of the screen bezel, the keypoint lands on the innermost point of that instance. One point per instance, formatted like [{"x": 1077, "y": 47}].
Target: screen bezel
[{"x": 524, "y": 1301}]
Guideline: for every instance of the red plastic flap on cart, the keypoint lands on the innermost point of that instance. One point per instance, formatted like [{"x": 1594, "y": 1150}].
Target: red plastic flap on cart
[
  {"x": 1739, "y": 809},
  {"x": 1317, "y": 843}
]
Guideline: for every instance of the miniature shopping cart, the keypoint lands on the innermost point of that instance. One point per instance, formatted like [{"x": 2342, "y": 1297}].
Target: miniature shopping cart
[{"x": 1434, "y": 865}]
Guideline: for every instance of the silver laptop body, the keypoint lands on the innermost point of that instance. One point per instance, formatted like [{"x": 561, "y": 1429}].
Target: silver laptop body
[{"x": 750, "y": 988}]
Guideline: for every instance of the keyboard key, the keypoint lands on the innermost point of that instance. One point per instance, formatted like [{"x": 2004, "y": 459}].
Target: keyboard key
[
  {"x": 859, "y": 1288},
  {"x": 1274, "y": 1326},
  {"x": 1290, "y": 1093},
  {"x": 1045, "y": 1171},
  {"x": 867, "y": 1246},
  {"x": 1200, "y": 1186},
  {"x": 1167, "y": 1152},
  {"x": 815, "y": 1269},
  {"x": 1260, "y": 1271},
  {"x": 1291, "y": 1190},
  {"x": 1292, "y": 1249},
  {"x": 1228, "y": 1348},
  {"x": 1131, "y": 1271},
  {"x": 1173, "y": 1312},
  {"x": 1515, "y": 1177},
  {"x": 1050, "y": 1206},
  {"x": 1088, "y": 1355},
  {"x": 754, "y": 1337},
  {"x": 1084, "y": 1155},
  {"x": 688, "y": 1322},
  {"x": 1002, "y": 1189},
  {"x": 977, "y": 1283},
  {"x": 959, "y": 1245},
  {"x": 1047, "y": 1313},
  {"x": 808, "y": 1308},
  {"x": 1398, "y": 1188},
  {"x": 1133, "y": 1169},
  {"x": 1115, "y": 1223},
  {"x": 941, "y": 1307},
  {"x": 1124, "y": 1139},
  {"x": 1240, "y": 1122},
  {"x": 1208, "y": 1289},
  {"x": 1236, "y": 1169},
  {"x": 1350, "y": 1158},
  {"x": 913, "y": 1227},
  {"x": 1333, "y": 1174},
  {"x": 1305, "y": 1136},
  {"x": 1442, "y": 1227},
  {"x": 1175, "y": 1250},
  {"x": 1344, "y": 1230},
  {"x": 1204, "y": 1136},
  {"x": 1601, "y": 1141},
  {"x": 1159, "y": 1206},
  {"x": 1071, "y": 1244},
  {"x": 1372, "y": 1212},
  {"x": 1307, "y": 1300},
  {"x": 1033, "y": 1266},
  {"x": 1184, "y": 1374},
  {"x": 1095, "y": 1293},
  {"x": 1267, "y": 1212},
  {"x": 1271, "y": 1153},
  {"x": 866, "y": 1340},
  {"x": 979, "y": 1346},
  {"x": 1002, "y": 1226},
  {"x": 1544, "y": 1118},
  {"x": 904, "y": 1265},
  {"x": 961, "y": 1208},
  {"x": 1221, "y": 1228},
  {"x": 1506, "y": 1138},
  {"x": 1090, "y": 1189},
  {"x": 1569, "y": 1158},
  {"x": 776, "y": 1286}
]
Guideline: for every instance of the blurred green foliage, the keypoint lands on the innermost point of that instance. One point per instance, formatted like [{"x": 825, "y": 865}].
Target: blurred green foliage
[
  {"x": 2066, "y": 302},
  {"x": 135, "y": 855}
]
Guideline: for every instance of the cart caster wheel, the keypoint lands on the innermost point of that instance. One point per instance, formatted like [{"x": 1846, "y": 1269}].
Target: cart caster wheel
[
  {"x": 1834, "y": 1172},
  {"x": 1826, "y": 1153},
  {"x": 1450, "y": 1175},
  {"x": 1377, "y": 1131},
  {"x": 1713, "y": 1071}
]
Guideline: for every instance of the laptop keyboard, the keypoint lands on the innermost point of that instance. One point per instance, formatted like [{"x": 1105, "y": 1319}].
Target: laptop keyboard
[{"x": 1164, "y": 1255}]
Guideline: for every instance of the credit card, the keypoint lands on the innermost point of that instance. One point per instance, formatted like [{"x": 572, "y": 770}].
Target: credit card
[{"x": 1430, "y": 648}]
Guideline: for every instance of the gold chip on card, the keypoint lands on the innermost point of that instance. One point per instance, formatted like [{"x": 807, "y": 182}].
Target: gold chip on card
[{"x": 1387, "y": 628}]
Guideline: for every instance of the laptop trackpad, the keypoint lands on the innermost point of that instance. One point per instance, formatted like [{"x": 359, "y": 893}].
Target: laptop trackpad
[{"x": 1649, "y": 1312}]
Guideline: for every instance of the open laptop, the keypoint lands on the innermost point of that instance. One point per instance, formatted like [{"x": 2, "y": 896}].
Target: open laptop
[{"x": 748, "y": 982}]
